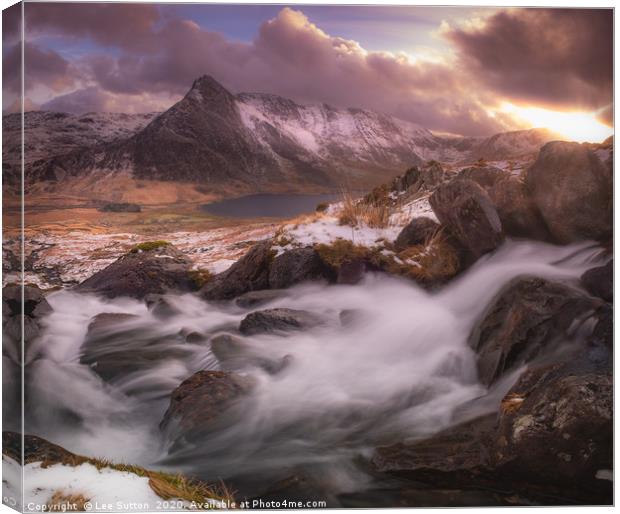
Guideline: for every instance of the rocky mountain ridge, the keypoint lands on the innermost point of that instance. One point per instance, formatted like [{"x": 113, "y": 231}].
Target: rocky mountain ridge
[{"x": 253, "y": 140}]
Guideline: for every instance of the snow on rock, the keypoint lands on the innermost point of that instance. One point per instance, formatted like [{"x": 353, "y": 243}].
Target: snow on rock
[
  {"x": 101, "y": 487},
  {"x": 326, "y": 228}
]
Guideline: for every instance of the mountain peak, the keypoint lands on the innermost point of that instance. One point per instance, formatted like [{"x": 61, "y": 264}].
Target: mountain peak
[{"x": 207, "y": 88}]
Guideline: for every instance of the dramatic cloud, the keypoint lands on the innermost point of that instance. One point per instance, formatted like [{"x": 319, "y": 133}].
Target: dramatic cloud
[
  {"x": 95, "y": 100},
  {"x": 561, "y": 58},
  {"x": 128, "y": 26},
  {"x": 154, "y": 59},
  {"x": 42, "y": 67}
]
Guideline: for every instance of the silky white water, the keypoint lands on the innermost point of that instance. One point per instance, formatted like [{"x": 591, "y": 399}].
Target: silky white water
[{"x": 400, "y": 369}]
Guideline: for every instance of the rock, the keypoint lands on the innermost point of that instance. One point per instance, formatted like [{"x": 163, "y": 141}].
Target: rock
[
  {"x": 35, "y": 304},
  {"x": 600, "y": 281},
  {"x": 296, "y": 266},
  {"x": 37, "y": 449},
  {"x": 485, "y": 176},
  {"x": 559, "y": 436},
  {"x": 120, "y": 207},
  {"x": 161, "y": 307},
  {"x": 517, "y": 211},
  {"x": 352, "y": 271},
  {"x": 526, "y": 318},
  {"x": 426, "y": 177},
  {"x": 253, "y": 299},
  {"x": 457, "y": 452},
  {"x": 603, "y": 333},
  {"x": 35, "y": 308},
  {"x": 417, "y": 231},
  {"x": 193, "y": 337},
  {"x": 278, "y": 320},
  {"x": 159, "y": 268},
  {"x": 233, "y": 353},
  {"x": 201, "y": 402},
  {"x": 573, "y": 190},
  {"x": 118, "y": 344},
  {"x": 466, "y": 210},
  {"x": 250, "y": 273}
]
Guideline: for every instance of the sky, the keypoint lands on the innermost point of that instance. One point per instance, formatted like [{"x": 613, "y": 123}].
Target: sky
[{"x": 453, "y": 70}]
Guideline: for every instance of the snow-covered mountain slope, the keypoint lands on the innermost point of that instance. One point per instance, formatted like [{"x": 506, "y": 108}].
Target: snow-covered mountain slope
[
  {"x": 249, "y": 141},
  {"x": 48, "y": 134}
]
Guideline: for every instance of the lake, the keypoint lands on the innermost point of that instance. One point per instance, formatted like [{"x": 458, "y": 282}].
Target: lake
[{"x": 269, "y": 205}]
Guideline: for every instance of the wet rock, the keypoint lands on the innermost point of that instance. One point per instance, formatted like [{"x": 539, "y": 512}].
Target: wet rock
[
  {"x": 466, "y": 210},
  {"x": 417, "y": 231},
  {"x": 528, "y": 317},
  {"x": 600, "y": 281},
  {"x": 193, "y": 337},
  {"x": 296, "y": 266},
  {"x": 156, "y": 269},
  {"x": 35, "y": 304},
  {"x": 257, "y": 298},
  {"x": 458, "y": 453},
  {"x": 352, "y": 271},
  {"x": 250, "y": 273},
  {"x": 603, "y": 333},
  {"x": 118, "y": 344},
  {"x": 161, "y": 306},
  {"x": 559, "y": 436},
  {"x": 573, "y": 190},
  {"x": 35, "y": 308},
  {"x": 233, "y": 353},
  {"x": 278, "y": 320},
  {"x": 201, "y": 402}
]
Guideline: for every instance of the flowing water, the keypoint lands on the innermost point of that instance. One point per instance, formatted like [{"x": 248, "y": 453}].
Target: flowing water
[{"x": 399, "y": 369}]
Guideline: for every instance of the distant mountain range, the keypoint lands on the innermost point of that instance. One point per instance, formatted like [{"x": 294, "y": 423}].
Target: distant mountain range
[{"x": 256, "y": 142}]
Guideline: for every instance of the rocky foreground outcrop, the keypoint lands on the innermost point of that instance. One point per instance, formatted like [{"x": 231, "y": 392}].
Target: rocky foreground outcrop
[
  {"x": 550, "y": 442},
  {"x": 149, "y": 268},
  {"x": 573, "y": 189}
]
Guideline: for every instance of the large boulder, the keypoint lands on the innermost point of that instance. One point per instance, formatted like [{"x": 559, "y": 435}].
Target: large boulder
[
  {"x": 416, "y": 232},
  {"x": 528, "y": 317},
  {"x": 278, "y": 320},
  {"x": 515, "y": 207},
  {"x": 149, "y": 268},
  {"x": 556, "y": 433},
  {"x": 202, "y": 402},
  {"x": 599, "y": 281},
  {"x": 250, "y": 273},
  {"x": 296, "y": 266},
  {"x": 484, "y": 176},
  {"x": 517, "y": 211},
  {"x": 466, "y": 210},
  {"x": 573, "y": 190}
]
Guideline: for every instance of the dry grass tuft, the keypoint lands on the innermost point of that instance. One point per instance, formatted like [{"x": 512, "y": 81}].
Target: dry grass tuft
[
  {"x": 200, "y": 277},
  {"x": 61, "y": 502},
  {"x": 356, "y": 212},
  {"x": 340, "y": 251},
  {"x": 434, "y": 261}
]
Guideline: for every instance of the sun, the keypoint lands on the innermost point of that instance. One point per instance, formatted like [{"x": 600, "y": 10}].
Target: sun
[{"x": 575, "y": 126}]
